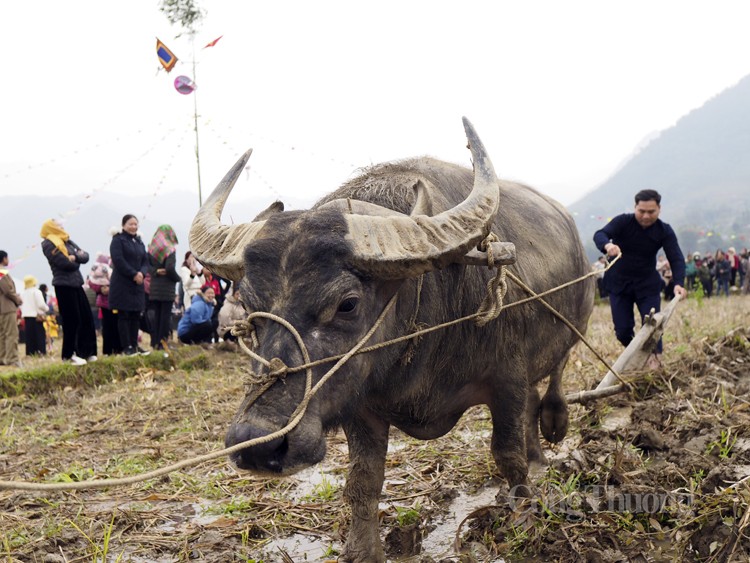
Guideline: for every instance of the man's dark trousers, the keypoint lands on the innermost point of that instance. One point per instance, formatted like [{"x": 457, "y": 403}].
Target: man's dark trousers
[{"x": 621, "y": 305}]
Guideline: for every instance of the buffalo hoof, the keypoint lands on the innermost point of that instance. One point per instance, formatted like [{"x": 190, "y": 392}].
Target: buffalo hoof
[
  {"x": 353, "y": 555},
  {"x": 518, "y": 498},
  {"x": 534, "y": 456},
  {"x": 553, "y": 419}
]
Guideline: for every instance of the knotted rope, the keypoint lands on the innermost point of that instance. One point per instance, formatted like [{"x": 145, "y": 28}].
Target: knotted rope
[{"x": 497, "y": 287}]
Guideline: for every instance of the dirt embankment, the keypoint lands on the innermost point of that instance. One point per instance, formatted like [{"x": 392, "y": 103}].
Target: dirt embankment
[{"x": 659, "y": 474}]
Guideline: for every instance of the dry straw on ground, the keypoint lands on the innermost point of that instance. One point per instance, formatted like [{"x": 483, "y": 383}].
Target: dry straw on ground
[{"x": 652, "y": 475}]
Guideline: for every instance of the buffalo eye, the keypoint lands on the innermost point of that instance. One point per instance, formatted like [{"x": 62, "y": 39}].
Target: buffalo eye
[{"x": 348, "y": 305}]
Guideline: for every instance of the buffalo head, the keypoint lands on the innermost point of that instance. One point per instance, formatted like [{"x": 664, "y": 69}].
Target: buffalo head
[{"x": 329, "y": 271}]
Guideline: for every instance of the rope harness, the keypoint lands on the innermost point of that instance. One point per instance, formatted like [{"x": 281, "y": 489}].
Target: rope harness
[{"x": 276, "y": 369}]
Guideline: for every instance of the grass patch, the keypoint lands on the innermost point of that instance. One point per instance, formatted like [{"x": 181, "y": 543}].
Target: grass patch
[{"x": 50, "y": 377}]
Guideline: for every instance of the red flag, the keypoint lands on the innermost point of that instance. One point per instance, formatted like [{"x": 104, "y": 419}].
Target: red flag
[{"x": 214, "y": 42}]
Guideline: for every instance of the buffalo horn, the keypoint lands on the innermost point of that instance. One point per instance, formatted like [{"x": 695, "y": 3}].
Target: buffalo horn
[
  {"x": 399, "y": 246},
  {"x": 217, "y": 246}
]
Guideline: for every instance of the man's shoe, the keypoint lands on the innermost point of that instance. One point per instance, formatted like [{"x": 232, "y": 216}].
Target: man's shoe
[
  {"x": 76, "y": 361},
  {"x": 91, "y": 359},
  {"x": 129, "y": 351},
  {"x": 143, "y": 352}
]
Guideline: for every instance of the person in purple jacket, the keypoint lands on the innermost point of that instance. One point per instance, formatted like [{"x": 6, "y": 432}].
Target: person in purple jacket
[{"x": 633, "y": 279}]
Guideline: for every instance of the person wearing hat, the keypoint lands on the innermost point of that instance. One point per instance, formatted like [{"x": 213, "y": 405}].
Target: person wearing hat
[
  {"x": 34, "y": 311},
  {"x": 98, "y": 280},
  {"x": 9, "y": 302}
]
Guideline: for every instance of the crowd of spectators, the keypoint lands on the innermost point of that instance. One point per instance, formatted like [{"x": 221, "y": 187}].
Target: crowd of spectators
[
  {"x": 135, "y": 293},
  {"x": 717, "y": 273}
]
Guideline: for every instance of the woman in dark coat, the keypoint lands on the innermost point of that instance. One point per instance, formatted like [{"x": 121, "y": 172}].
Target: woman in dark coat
[
  {"x": 127, "y": 293},
  {"x": 164, "y": 277},
  {"x": 65, "y": 258}
]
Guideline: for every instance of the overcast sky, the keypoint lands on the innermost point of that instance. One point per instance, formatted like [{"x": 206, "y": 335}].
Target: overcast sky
[{"x": 560, "y": 92}]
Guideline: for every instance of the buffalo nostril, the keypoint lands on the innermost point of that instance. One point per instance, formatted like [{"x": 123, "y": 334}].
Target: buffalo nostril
[
  {"x": 263, "y": 457},
  {"x": 266, "y": 456},
  {"x": 273, "y": 466}
]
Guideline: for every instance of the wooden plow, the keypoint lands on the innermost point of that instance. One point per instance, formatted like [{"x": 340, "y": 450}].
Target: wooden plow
[{"x": 634, "y": 357}]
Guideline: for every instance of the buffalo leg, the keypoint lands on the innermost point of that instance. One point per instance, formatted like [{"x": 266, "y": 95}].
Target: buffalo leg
[
  {"x": 368, "y": 444},
  {"x": 508, "y": 410},
  {"x": 533, "y": 447},
  {"x": 553, "y": 414}
]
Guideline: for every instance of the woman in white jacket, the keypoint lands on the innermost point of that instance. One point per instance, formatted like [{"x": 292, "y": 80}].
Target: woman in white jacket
[
  {"x": 191, "y": 279},
  {"x": 34, "y": 311}
]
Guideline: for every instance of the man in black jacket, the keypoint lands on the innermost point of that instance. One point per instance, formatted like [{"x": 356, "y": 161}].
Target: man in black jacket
[{"x": 634, "y": 280}]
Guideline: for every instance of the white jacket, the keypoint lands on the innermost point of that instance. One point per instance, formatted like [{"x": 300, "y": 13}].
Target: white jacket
[
  {"x": 33, "y": 303},
  {"x": 230, "y": 312},
  {"x": 190, "y": 286}
]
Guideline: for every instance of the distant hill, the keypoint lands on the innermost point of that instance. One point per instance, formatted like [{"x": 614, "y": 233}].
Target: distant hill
[{"x": 701, "y": 166}]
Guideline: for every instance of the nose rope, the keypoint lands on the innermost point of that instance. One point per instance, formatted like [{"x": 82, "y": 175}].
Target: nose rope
[{"x": 278, "y": 370}]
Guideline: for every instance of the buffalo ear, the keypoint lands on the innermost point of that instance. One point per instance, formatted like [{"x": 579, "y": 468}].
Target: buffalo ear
[
  {"x": 275, "y": 207},
  {"x": 423, "y": 199}
]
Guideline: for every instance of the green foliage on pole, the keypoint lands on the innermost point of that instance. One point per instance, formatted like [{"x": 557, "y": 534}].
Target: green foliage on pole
[{"x": 185, "y": 13}]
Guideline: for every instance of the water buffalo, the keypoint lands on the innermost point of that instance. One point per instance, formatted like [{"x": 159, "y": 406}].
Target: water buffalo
[{"x": 401, "y": 228}]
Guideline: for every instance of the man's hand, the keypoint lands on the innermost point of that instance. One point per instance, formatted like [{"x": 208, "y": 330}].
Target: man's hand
[
  {"x": 612, "y": 249},
  {"x": 138, "y": 278},
  {"x": 681, "y": 291}
]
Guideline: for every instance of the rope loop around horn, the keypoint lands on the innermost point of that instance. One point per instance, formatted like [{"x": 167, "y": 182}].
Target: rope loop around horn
[
  {"x": 497, "y": 287},
  {"x": 485, "y": 246}
]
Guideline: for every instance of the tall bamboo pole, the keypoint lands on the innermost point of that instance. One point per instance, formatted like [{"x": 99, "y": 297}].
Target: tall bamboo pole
[{"x": 195, "y": 121}]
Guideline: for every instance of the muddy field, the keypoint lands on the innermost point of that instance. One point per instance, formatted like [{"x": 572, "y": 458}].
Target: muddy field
[{"x": 657, "y": 474}]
